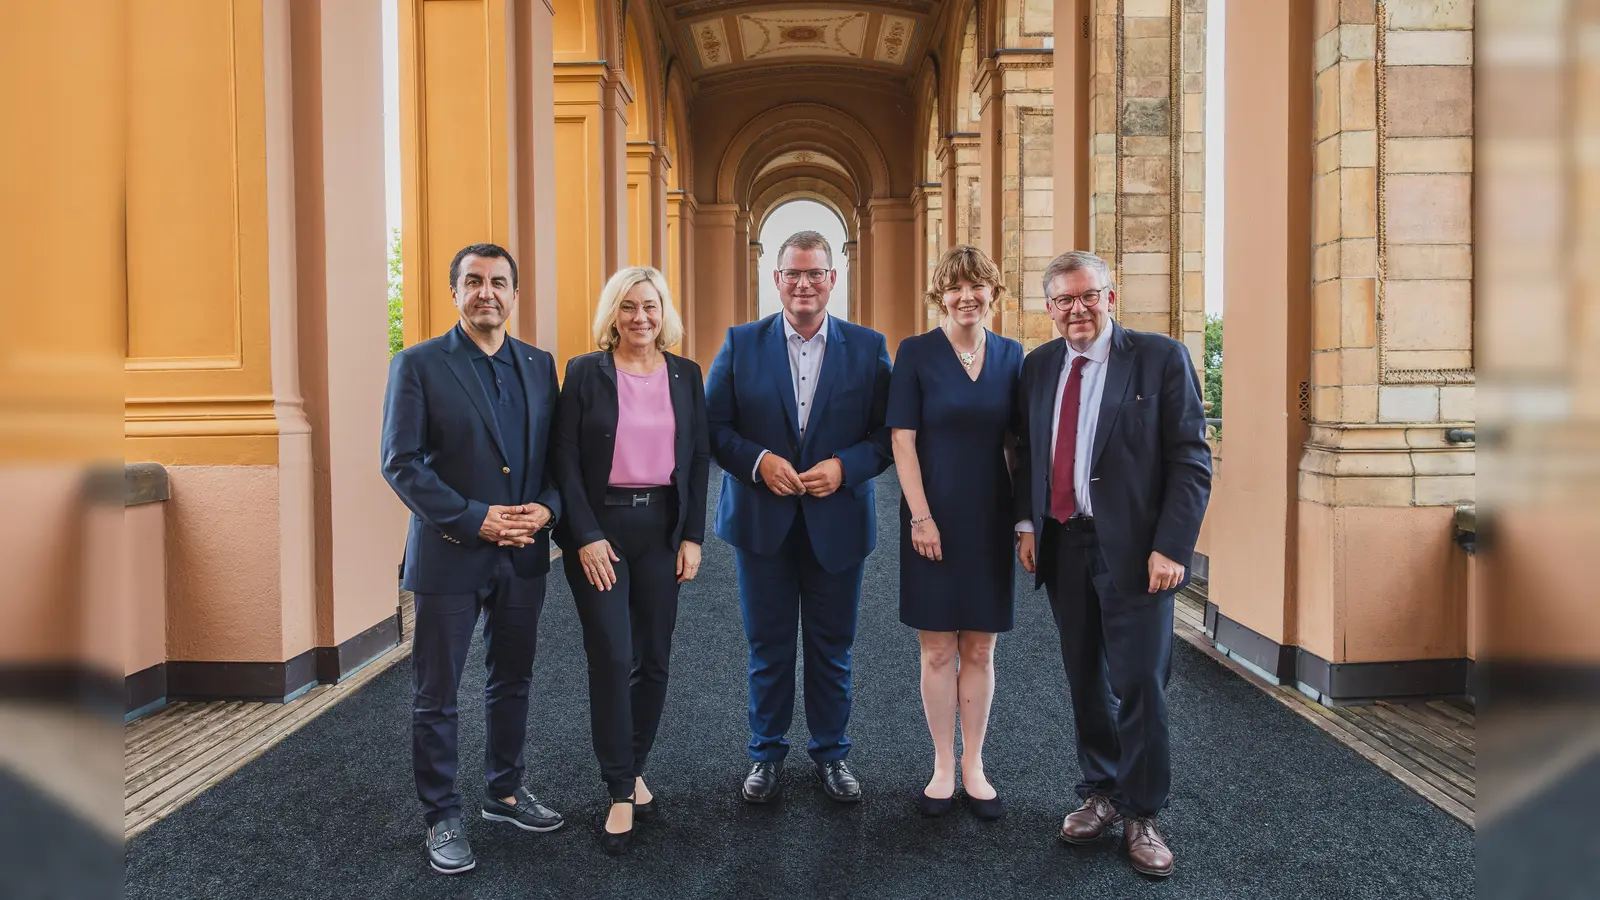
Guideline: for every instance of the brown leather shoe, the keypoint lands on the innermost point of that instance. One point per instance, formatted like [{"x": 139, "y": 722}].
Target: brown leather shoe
[
  {"x": 1088, "y": 823},
  {"x": 1146, "y": 850}
]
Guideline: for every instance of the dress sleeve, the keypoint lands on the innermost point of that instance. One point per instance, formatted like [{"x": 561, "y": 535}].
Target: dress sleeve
[{"x": 905, "y": 389}]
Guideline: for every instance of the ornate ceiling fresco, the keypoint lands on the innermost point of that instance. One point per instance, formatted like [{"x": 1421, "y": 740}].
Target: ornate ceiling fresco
[{"x": 722, "y": 36}]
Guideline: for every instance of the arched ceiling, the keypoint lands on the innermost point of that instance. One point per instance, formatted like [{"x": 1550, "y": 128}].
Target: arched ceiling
[{"x": 726, "y": 39}]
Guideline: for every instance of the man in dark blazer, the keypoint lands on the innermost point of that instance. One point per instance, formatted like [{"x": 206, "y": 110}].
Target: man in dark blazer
[
  {"x": 1110, "y": 491},
  {"x": 466, "y": 420},
  {"x": 796, "y": 404}
]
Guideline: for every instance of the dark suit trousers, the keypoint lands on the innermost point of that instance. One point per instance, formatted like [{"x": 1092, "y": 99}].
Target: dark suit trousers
[
  {"x": 444, "y": 625},
  {"x": 777, "y": 595},
  {"x": 627, "y": 635},
  {"x": 1117, "y": 649}
]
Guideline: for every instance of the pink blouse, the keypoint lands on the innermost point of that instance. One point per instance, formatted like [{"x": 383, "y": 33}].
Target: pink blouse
[{"x": 646, "y": 431}]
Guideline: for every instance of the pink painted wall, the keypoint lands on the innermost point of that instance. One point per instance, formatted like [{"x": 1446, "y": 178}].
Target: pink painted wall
[
  {"x": 145, "y": 581},
  {"x": 43, "y": 546}
]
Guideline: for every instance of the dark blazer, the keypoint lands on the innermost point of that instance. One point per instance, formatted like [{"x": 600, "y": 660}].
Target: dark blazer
[
  {"x": 1151, "y": 469},
  {"x": 750, "y": 399},
  {"x": 443, "y": 455},
  {"x": 585, "y": 442}
]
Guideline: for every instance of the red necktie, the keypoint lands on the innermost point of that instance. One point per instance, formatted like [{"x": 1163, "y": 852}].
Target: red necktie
[{"x": 1063, "y": 499}]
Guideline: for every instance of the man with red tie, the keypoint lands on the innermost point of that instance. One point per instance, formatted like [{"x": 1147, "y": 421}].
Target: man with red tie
[{"x": 1110, "y": 493}]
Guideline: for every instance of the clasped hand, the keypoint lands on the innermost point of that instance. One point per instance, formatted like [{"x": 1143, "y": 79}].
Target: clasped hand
[
  {"x": 514, "y": 526},
  {"x": 781, "y": 478}
]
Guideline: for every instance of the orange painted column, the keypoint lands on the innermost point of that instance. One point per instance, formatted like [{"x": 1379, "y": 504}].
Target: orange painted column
[
  {"x": 340, "y": 263},
  {"x": 896, "y": 300},
  {"x": 717, "y": 250},
  {"x": 536, "y": 223},
  {"x": 681, "y": 269},
  {"x": 1267, "y": 246}
]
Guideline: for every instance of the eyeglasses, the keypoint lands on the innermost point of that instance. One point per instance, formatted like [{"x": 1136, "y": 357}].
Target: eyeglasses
[
  {"x": 792, "y": 276},
  {"x": 1089, "y": 300}
]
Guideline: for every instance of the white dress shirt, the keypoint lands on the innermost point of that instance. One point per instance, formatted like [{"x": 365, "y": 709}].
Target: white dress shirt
[
  {"x": 805, "y": 363},
  {"x": 1092, "y": 388}
]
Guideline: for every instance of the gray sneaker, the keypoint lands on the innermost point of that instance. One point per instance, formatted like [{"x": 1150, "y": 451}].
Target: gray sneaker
[{"x": 448, "y": 850}]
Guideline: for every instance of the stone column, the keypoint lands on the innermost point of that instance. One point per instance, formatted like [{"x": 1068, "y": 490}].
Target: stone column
[
  {"x": 850, "y": 251},
  {"x": 966, "y": 190},
  {"x": 1391, "y": 337},
  {"x": 681, "y": 271},
  {"x": 641, "y": 192},
  {"x": 754, "y": 280},
  {"x": 1070, "y": 70},
  {"x": 991, "y": 160},
  {"x": 717, "y": 250},
  {"x": 744, "y": 306},
  {"x": 658, "y": 208},
  {"x": 947, "y": 193}
]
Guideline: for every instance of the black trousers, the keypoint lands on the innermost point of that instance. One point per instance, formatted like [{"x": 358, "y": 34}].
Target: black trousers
[
  {"x": 443, "y": 634},
  {"x": 1116, "y": 644},
  {"x": 627, "y": 635}
]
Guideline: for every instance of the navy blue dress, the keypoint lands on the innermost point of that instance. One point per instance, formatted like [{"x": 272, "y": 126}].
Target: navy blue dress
[{"x": 963, "y": 427}]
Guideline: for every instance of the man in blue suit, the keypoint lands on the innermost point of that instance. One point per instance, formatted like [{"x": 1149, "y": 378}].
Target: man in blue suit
[
  {"x": 796, "y": 404},
  {"x": 466, "y": 421},
  {"x": 1111, "y": 486}
]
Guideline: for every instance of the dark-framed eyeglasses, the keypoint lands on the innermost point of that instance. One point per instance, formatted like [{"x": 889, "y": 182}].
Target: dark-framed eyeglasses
[
  {"x": 1088, "y": 299},
  {"x": 792, "y": 276}
]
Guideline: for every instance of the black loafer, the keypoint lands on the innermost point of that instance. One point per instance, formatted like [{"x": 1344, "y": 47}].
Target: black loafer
[
  {"x": 838, "y": 782},
  {"x": 448, "y": 850},
  {"x": 762, "y": 784},
  {"x": 528, "y": 813}
]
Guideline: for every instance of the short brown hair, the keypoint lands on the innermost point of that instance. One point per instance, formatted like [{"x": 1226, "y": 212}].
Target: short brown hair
[
  {"x": 806, "y": 240},
  {"x": 963, "y": 262}
]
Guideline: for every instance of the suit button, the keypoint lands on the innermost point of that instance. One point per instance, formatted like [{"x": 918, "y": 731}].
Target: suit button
[{"x": 505, "y": 470}]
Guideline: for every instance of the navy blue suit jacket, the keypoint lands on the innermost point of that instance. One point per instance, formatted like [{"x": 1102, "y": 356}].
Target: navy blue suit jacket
[
  {"x": 443, "y": 455},
  {"x": 751, "y": 407},
  {"x": 1151, "y": 470}
]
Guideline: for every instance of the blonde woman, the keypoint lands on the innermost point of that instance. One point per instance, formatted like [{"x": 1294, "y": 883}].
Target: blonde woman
[
  {"x": 631, "y": 455},
  {"x": 950, "y": 415}
]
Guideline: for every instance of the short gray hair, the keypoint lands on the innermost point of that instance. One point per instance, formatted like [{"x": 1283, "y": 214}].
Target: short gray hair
[{"x": 1072, "y": 261}]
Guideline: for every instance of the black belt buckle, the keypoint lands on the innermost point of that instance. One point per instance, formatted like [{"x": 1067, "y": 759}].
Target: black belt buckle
[
  {"x": 641, "y": 500},
  {"x": 1080, "y": 523}
]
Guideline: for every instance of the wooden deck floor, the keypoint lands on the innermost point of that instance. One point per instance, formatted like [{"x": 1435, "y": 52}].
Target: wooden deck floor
[
  {"x": 173, "y": 755},
  {"x": 1429, "y": 747}
]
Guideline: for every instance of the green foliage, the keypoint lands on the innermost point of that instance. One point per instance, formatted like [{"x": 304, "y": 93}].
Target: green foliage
[
  {"x": 396, "y": 298},
  {"x": 1213, "y": 364}
]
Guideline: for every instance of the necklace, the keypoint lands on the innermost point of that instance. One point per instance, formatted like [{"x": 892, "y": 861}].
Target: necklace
[{"x": 967, "y": 359}]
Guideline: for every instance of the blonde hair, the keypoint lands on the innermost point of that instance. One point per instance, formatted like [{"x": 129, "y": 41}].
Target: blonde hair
[
  {"x": 606, "y": 336},
  {"x": 963, "y": 262}
]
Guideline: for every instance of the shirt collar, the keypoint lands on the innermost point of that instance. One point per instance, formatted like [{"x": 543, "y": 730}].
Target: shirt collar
[
  {"x": 1099, "y": 351},
  {"x": 502, "y": 355},
  {"x": 789, "y": 333}
]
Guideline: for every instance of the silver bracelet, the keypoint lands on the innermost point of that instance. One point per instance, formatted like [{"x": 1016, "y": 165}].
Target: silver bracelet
[{"x": 916, "y": 522}]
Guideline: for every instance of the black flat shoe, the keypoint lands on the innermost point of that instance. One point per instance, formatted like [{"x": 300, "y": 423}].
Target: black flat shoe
[
  {"x": 615, "y": 843},
  {"x": 987, "y": 810},
  {"x": 646, "y": 812},
  {"x": 934, "y": 806},
  {"x": 448, "y": 850},
  {"x": 762, "y": 784}
]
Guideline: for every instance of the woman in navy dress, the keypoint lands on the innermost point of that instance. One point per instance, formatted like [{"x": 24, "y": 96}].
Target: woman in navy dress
[{"x": 950, "y": 403}]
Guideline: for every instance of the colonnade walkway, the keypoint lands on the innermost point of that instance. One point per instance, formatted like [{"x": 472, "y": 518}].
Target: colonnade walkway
[{"x": 1265, "y": 804}]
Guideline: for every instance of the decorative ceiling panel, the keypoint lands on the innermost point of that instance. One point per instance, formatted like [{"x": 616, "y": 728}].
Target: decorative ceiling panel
[
  {"x": 803, "y": 33},
  {"x": 732, "y": 36},
  {"x": 802, "y": 158}
]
